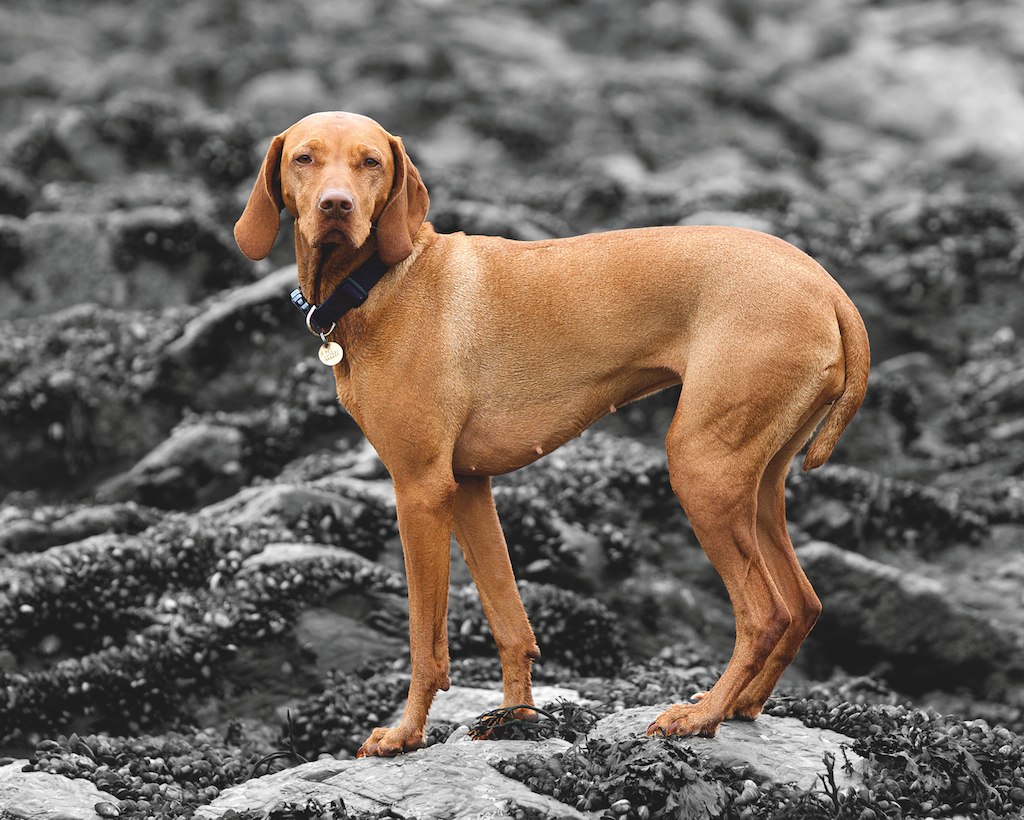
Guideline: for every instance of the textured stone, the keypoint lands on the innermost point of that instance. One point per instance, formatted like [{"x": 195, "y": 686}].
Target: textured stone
[
  {"x": 41, "y": 796},
  {"x": 457, "y": 779},
  {"x": 780, "y": 750},
  {"x": 197, "y": 464},
  {"x": 875, "y": 614},
  {"x": 450, "y": 780}
]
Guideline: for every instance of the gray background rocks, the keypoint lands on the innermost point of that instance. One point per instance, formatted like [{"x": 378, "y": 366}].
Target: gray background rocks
[{"x": 163, "y": 422}]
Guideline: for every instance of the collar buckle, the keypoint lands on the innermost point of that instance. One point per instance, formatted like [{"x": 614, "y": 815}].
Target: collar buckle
[{"x": 309, "y": 324}]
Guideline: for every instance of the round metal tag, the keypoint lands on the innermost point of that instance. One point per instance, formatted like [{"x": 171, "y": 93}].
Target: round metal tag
[{"x": 331, "y": 353}]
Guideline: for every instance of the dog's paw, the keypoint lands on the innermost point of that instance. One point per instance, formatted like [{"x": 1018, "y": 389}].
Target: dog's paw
[
  {"x": 686, "y": 720},
  {"x": 747, "y": 711},
  {"x": 384, "y": 742}
]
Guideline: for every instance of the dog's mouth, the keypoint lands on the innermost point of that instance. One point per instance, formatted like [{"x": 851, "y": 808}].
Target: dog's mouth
[{"x": 332, "y": 237}]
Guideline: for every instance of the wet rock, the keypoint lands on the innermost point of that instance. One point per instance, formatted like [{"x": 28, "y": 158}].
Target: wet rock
[
  {"x": 65, "y": 260},
  {"x": 25, "y": 531},
  {"x": 77, "y": 393},
  {"x": 16, "y": 193},
  {"x": 489, "y": 220},
  {"x": 446, "y": 781},
  {"x": 878, "y": 617},
  {"x": 172, "y": 256},
  {"x": 352, "y": 513},
  {"x": 457, "y": 779},
  {"x": 198, "y": 464},
  {"x": 278, "y": 98},
  {"x": 342, "y": 637},
  {"x": 779, "y": 750},
  {"x": 39, "y": 796},
  {"x": 291, "y": 553}
]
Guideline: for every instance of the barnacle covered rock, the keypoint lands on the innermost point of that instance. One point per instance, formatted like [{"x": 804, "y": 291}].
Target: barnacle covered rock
[{"x": 877, "y": 614}]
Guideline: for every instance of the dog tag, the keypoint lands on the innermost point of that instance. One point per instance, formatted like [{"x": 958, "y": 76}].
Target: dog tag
[{"x": 331, "y": 353}]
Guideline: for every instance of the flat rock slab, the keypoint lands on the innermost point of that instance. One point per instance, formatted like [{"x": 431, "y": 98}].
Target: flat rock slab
[
  {"x": 779, "y": 750},
  {"x": 41, "y": 796},
  {"x": 447, "y": 781},
  {"x": 464, "y": 704}
]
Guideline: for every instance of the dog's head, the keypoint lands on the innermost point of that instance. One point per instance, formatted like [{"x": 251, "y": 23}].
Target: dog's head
[{"x": 341, "y": 176}]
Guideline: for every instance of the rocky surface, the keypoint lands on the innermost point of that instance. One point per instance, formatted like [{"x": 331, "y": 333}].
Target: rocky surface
[
  {"x": 769, "y": 749},
  {"x": 192, "y": 531},
  {"x": 457, "y": 779},
  {"x": 450, "y": 780},
  {"x": 39, "y": 796},
  {"x": 878, "y": 613}
]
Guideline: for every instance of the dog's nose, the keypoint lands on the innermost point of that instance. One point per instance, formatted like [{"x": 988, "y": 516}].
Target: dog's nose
[{"x": 335, "y": 201}]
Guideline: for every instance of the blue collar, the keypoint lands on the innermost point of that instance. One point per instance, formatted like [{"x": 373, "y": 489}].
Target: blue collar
[{"x": 353, "y": 290}]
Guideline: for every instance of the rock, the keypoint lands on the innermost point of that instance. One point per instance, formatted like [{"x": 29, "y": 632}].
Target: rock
[
  {"x": 23, "y": 531},
  {"x": 338, "y": 510},
  {"x": 829, "y": 518},
  {"x": 457, "y": 779},
  {"x": 464, "y": 704},
  {"x": 341, "y": 637},
  {"x": 66, "y": 260},
  {"x": 877, "y": 614},
  {"x": 197, "y": 464},
  {"x": 222, "y": 315},
  {"x": 487, "y": 219},
  {"x": 41, "y": 796},
  {"x": 779, "y": 750},
  {"x": 446, "y": 781},
  {"x": 287, "y": 502},
  {"x": 284, "y": 553},
  {"x": 79, "y": 392},
  {"x": 278, "y": 98}
]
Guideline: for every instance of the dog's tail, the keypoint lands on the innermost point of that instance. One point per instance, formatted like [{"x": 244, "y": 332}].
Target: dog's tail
[{"x": 857, "y": 354}]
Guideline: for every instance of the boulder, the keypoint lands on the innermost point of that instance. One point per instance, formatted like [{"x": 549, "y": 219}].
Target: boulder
[
  {"x": 197, "y": 464},
  {"x": 771, "y": 749},
  {"x": 41, "y": 796},
  {"x": 344, "y": 635},
  {"x": 880, "y": 618},
  {"x": 279, "y": 97},
  {"x": 221, "y": 316},
  {"x": 33, "y": 530},
  {"x": 457, "y": 779},
  {"x": 449, "y": 780}
]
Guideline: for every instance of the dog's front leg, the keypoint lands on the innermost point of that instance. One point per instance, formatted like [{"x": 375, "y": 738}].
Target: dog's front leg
[
  {"x": 425, "y": 525},
  {"x": 478, "y": 532}
]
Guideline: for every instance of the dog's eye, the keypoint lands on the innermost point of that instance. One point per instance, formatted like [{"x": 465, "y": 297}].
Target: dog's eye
[
  {"x": 303, "y": 159},
  {"x": 370, "y": 162}
]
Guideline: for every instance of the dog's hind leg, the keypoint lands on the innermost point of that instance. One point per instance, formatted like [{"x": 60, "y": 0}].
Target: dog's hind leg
[
  {"x": 723, "y": 436},
  {"x": 479, "y": 534},
  {"x": 777, "y": 550}
]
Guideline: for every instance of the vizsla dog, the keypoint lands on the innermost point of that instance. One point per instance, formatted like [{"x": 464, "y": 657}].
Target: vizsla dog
[{"x": 475, "y": 355}]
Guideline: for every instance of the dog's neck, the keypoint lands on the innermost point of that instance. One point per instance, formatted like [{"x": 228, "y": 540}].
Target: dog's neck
[
  {"x": 319, "y": 276},
  {"x": 342, "y": 264}
]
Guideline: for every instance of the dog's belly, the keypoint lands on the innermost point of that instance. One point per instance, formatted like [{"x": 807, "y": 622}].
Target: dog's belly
[{"x": 499, "y": 440}]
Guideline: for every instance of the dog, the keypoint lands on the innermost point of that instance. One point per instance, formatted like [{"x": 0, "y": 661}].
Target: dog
[{"x": 466, "y": 357}]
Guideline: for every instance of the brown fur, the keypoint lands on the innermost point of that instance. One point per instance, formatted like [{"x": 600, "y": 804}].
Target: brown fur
[{"x": 475, "y": 355}]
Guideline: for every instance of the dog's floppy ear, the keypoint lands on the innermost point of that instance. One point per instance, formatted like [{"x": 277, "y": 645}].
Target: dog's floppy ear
[
  {"x": 405, "y": 209},
  {"x": 256, "y": 229}
]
